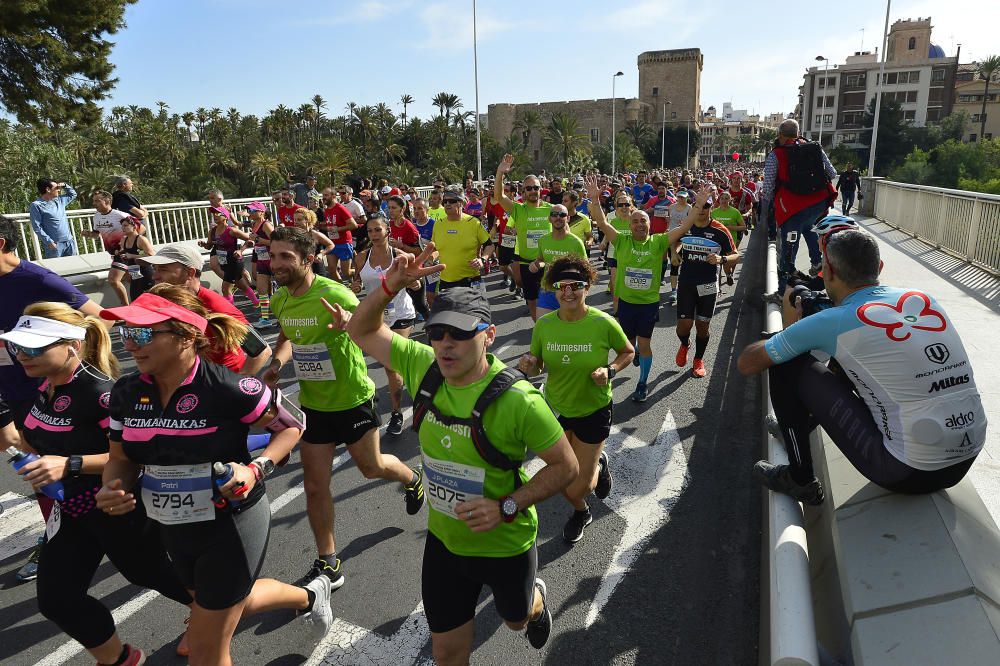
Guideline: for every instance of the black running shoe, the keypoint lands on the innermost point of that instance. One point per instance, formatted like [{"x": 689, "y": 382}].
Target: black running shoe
[
  {"x": 539, "y": 629},
  {"x": 604, "y": 481},
  {"x": 573, "y": 530},
  {"x": 511, "y": 286},
  {"x": 778, "y": 479},
  {"x": 415, "y": 493},
  {"x": 321, "y": 568},
  {"x": 395, "y": 426}
]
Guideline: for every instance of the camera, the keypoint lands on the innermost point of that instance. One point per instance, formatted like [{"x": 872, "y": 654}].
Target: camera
[{"x": 812, "y": 301}]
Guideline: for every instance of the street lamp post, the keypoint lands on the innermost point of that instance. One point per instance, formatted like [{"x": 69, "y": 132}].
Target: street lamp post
[
  {"x": 663, "y": 134},
  {"x": 826, "y": 66},
  {"x": 878, "y": 93},
  {"x": 475, "y": 69},
  {"x": 687, "y": 155},
  {"x": 614, "y": 135}
]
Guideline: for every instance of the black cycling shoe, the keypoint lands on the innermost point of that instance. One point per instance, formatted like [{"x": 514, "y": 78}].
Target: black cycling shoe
[
  {"x": 395, "y": 426},
  {"x": 573, "y": 530},
  {"x": 322, "y": 568},
  {"x": 539, "y": 629},
  {"x": 778, "y": 479},
  {"x": 604, "y": 481},
  {"x": 415, "y": 494}
]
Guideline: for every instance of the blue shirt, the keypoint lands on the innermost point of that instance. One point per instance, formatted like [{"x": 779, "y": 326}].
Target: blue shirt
[
  {"x": 640, "y": 193},
  {"x": 48, "y": 218}
]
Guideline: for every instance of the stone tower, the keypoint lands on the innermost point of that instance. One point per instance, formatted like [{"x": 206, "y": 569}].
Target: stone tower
[
  {"x": 671, "y": 76},
  {"x": 909, "y": 41}
]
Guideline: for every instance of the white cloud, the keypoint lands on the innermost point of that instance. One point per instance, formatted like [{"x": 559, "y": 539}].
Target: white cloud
[{"x": 445, "y": 26}]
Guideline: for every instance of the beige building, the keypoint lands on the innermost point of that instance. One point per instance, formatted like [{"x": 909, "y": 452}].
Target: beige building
[
  {"x": 735, "y": 131},
  {"x": 969, "y": 89},
  {"x": 668, "y": 80}
]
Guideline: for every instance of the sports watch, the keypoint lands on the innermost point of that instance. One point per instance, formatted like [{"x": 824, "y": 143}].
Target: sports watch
[
  {"x": 508, "y": 508},
  {"x": 611, "y": 372},
  {"x": 75, "y": 465},
  {"x": 265, "y": 464}
]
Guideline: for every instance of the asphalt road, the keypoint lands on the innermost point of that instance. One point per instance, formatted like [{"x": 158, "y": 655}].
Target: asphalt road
[{"x": 667, "y": 573}]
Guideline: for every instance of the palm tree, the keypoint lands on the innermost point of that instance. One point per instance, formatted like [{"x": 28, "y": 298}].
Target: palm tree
[
  {"x": 987, "y": 68},
  {"x": 527, "y": 122},
  {"x": 330, "y": 162},
  {"x": 405, "y": 100},
  {"x": 639, "y": 131},
  {"x": 320, "y": 104},
  {"x": 562, "y": 137}
]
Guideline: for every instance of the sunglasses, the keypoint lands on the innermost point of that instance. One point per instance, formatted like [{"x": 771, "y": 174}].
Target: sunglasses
[
  {"x": 558, "y": 215},
  {"x": 623, "y": 205},
  {"x": 448, "y": 202},
  {"x": 141, "y": 335},
  {"x": 574, "y": 285},
  {"x": 436, "y": 332},
  {"x": 532, "y": 188},
  {"x": 30, "y": 352}
]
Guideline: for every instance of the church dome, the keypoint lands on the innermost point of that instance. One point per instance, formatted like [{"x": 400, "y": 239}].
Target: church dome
[{"x": 936, "y": 52}]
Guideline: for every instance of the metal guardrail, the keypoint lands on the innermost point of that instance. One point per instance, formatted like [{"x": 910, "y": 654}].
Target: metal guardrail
[{"x": 966, "y": 224}]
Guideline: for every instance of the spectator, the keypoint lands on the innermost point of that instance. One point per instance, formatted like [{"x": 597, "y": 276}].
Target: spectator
[
  {"x": 301, "y": 191},
  {"x": 48, "y": 219},
  {"x": 124, "y": 200},
  {"x": 849, "y": 185}
]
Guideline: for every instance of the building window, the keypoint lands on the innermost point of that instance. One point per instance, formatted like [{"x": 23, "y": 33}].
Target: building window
[
  {"x": 933, "y": 115},
  {"x": 595, "y": 135},
  {"x": 656, "y": 91},
  {"x": 937, "y": 75},
  {"x": 828, "y": 119},
  {"x": 909, "y": 115},
  {"x": 849, "y": 137},
  {"x": 974, "y": 118},
  {"x": 964, "y": 76},
  {"x": 855, "y": 80},
  {"x": 972, "y": 138},
  {"x": 913, "y": 43},
  {"x": 829, "y": 101},
  {"x": 673, "y": 115},
  {"x": 819, "y": 119},
  {"x": 935, "y": 95},
  {"x": 819, "y": 102},
  {"x": 909, "y": 77},
  {"x": 831, "y": 82},
  {"x": 852, "y": 117},
  {"x": 890, "y": 78},
  {"x": 988, "y": 135}
]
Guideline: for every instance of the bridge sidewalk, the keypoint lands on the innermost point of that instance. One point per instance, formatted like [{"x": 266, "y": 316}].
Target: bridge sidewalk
[{"x": 971, "y": 297}]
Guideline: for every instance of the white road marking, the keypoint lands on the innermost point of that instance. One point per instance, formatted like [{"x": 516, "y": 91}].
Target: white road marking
[
  {"x": 348, "y": 644},
  {"x": 502, "y": 349},
  {"x": 21, "y": 524}
]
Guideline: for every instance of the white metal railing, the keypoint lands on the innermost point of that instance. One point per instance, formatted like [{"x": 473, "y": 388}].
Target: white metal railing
[{"x": 961, "y": 222}]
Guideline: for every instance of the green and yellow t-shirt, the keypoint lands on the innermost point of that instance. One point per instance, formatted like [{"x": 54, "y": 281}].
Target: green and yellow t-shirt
[
  {"x": 640, "y": 267},
  {"x": 729, "y": 216},
  {"x": 436, "y": 214},
  {"x": 582, "y": 228},
  {"x": 519, "y": 421},
  {"x": 457, "y": 244},
  {"x": 571, "y": 350},
  {"x": 331, "y": 369},
  {"x": 531, "y": 222}
]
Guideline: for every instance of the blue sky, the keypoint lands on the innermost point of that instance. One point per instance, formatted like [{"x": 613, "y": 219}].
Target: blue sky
[{"x": 256, "y": 54}]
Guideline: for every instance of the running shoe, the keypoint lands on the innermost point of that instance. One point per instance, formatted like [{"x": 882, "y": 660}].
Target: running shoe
[
  {"x": 505, "y": 283},
  {"x": 729, "y": 279},
  {"x": 134, "y": 656},
  {"x": 604, "y": 481},
  {"x": 420, "y": 318},
  {"x": 395, "y": 426},
  {"x": 415, "y": 493},
  {"x": 518, "y": 293},
  {"x": 635, "y": 360},
  {"x": 779, "y": 479},
  {"x": 771, "y": 423},
  {"x": 511, "y": 286},
  {"x": 29, "y": 571},
  {"x": 319, "y": 615},
  {"x": 264, "y": 323},
  {"x": 573, "y": 530},
  {"x": 815, "y": 269},
  {"x": 672, "y": 298},
  {"x": 641, "y": 392},
  {"x": 682, "y": 356},
  {"x": 698, "y": 369},
  {"x": 539, "y": 629},
  {"x": 321, "y": 568}
]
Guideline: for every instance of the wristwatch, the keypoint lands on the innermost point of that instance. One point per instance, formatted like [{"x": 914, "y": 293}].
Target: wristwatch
[
  {"x": 508, "y": 508},
  {"x": 265, "y": 464},
  {"x": 75, "y": 465},
  {"x": 611, "y": 372}
]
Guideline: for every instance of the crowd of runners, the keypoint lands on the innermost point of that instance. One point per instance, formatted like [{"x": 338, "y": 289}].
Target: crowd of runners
[{"x": 186, "y": 442}]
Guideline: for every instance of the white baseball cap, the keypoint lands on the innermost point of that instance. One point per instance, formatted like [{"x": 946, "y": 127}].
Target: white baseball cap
[
  {"x": 386, "y": 190},
  {"x": 36, "y": 332}
]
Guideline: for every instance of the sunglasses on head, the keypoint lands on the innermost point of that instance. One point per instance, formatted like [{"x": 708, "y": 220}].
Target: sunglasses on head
[
  {"x": 30, "y": 352},
  {"x": 532, "y": 188},
  {"x": 558, "y": 215},
  {"x": 435, "y": 333},
  {"x": 573, "y": 285},
  {"x": 141, "y": 335}
]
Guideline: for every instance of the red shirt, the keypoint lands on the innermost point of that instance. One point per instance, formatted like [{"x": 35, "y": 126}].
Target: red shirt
[
  {"x": 501, "y": 215},
  {"x": 658, "y": 223},
  {"x": 406, "y": 233},
  {"x": 337, "y": 218},
  {"x": 214, "y": 302},
  {"x": 286, "y": 216}
]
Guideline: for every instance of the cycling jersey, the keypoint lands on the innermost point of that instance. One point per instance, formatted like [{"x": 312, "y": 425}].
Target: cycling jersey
[
  {"x": 697, "y": 245},
  {"x": 73, "y": 421},
  {"x": 531, "y": 222},
  {"x": 907, "y": 362},
  {"x": 331, "y": 369},
  {"x": 571, "y": 350},
  {"x": 206, "y": 420},
  {"x": 640, "y": 267},
  {"x": 458, "y": 243},
  {"x": 109, "y": 225},
  {"x": 453, "y": 469}
]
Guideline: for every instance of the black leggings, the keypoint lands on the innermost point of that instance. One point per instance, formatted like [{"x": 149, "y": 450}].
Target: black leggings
[
  {"x": 419, "y": 299},
  {"x": 69, "y": 560},
  {"x": 806, "y": 393}
]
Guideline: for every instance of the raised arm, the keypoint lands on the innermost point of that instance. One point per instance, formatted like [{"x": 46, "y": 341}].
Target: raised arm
[
  {"x": 594, "y": 192},
  {"x": 498, "y": 195}
]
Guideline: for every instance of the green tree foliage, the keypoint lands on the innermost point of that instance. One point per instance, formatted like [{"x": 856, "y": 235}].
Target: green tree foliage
[
  {"x": 953, "y": 164},
  {"x": 562, "y": 139},
  {"x": 893, "y": 141},
  {"x": 54, "y": 64},
  {"x": 675, "y": 145}
]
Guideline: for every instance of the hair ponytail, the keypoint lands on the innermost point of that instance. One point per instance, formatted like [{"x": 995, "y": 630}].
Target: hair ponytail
[{"x": 96, "y": 346}]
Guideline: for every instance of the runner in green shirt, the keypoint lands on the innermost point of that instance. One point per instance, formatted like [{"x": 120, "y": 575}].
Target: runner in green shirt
[
  {"x": 579, "y": 224},
  {"x": 557, "y": 244},
  {"x": 620, "y": 220},
  {"x": 640, "y": 269},
  {"x": 733, "y": 220},
  {"x": 531, "y": 220},
  {"x": 482, "y": 525},
  {"x": 336, "y": 394},
  {"x": 573, "y": 344}
]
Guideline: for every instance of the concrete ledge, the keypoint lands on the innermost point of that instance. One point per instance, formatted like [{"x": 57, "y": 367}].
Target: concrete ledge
[{"x": 902, "y": 579}]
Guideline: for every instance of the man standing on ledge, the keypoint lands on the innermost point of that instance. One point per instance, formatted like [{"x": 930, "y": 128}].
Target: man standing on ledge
[{"x": 48, "y": 218}]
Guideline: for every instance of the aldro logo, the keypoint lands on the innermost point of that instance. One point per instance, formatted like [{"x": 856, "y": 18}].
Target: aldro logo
[
  {"x": 959, "y": 421},
  {"x": 937, "y": 353},
  {"x": 948, "y": 383}
]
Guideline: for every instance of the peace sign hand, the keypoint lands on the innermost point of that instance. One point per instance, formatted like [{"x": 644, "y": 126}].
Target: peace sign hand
[
  {"x": 407, "y": 269},
  {"x": 339, "y": 316}
]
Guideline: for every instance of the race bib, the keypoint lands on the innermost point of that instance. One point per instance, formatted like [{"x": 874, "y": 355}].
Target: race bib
[
  {"x": 638, "y": 278},
  {"x": 447, "y": 484},
  {"x": 534, "y": 235},
  {"x": 54, "y": 521},
  {"x": 509, "y": 241},
  {"x": 312, "y": 363},
  {"x": 434, "y": 278},
  {"x": 708, "y": 288},
  {"x": 262, "y": 253},
  {"x": 700, "y": 245},
  {"x": 389, "y": 314},
  {"x": 134, "y": 273},
  {"x": 178, "y": 494},
  {"x": 222, "y": 257}
]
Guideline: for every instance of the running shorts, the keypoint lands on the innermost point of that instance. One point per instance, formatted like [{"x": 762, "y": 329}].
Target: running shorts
[
  {"x": 343, "y": 251},
  {"x": 593, "y": 428},
  {"x": 691, "y": 305},
  {"x": 547, "y": 299},
  {"x": 344, "y": 427},
  {"x": 638, "y": 320},
  {"x": 530, "y": 282}
]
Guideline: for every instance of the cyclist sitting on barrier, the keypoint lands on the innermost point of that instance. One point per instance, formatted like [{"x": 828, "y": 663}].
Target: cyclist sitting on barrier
[{"x": 902, "y": 402}]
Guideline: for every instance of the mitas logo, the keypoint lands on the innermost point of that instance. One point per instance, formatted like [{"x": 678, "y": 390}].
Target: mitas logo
[
  {"x": 937, "y": 353},
  {"x": 959, "y": 421},
  {"x": 948, "y": 383}
]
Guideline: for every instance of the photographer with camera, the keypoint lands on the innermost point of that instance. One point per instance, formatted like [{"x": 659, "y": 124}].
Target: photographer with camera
[{"x": 902, "y": 403}]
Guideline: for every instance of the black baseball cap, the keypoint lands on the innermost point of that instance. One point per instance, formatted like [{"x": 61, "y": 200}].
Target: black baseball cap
[{"x": 461, "y": 307}]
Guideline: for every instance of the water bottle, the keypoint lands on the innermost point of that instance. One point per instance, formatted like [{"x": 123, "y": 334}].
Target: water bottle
[
  {"x": 223, "y": 472},
  {"x": 20, "y": 458}
]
